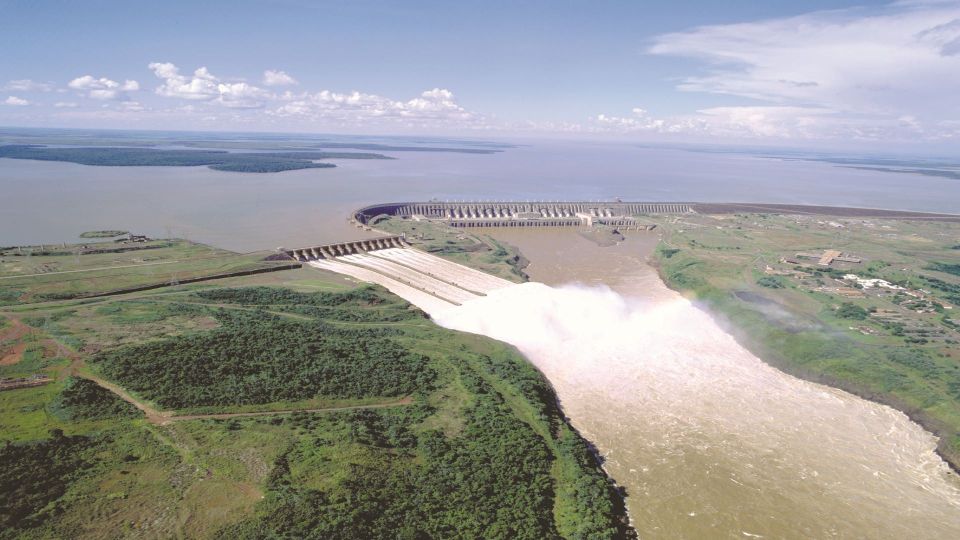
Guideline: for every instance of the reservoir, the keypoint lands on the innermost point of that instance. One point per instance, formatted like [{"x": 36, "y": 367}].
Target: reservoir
[
  {"x": 708, "y": 441},
  {"x": 47, "y": 202}
]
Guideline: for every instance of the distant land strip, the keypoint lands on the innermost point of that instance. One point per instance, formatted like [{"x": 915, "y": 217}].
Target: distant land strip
[{"x": 220, "y": 160}]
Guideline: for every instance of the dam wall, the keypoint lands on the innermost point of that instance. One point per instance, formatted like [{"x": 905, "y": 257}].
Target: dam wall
[
  {"x": 524, "y": 214},
  {"x": 619, "y": 213},
  {"x": 331, "y": 251}
]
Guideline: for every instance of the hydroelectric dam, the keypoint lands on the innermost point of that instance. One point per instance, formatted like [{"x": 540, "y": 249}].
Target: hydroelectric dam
[
  {"x": 523, "y": 214},
  {"x": 435, "y": 284}
]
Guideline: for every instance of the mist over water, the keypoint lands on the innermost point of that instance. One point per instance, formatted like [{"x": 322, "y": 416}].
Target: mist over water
[{"x": 709, "y": 441}]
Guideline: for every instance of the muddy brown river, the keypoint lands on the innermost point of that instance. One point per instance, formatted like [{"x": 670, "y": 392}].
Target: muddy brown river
[{"x": 709, "y": 441}]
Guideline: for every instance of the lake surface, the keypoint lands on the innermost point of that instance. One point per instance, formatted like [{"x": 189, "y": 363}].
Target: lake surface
[
  {"x": 54, "y": 202},
  {"x": 708, "y": 441}
]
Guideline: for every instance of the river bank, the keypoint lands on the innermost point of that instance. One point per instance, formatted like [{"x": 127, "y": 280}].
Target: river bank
[
  {"x": 900, "y": 350},
  {"x": 776, "y": 358}
]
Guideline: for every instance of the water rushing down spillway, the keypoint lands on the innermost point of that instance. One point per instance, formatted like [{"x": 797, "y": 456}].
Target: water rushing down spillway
[{"x": 708, "y": 440}]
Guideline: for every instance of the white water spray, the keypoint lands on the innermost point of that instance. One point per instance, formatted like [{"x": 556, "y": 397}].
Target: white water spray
[{"x": 709, "y": 440}]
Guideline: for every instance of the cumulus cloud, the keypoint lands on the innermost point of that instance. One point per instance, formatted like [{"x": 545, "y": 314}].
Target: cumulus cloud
[
  {"x": 432, "y": 106},
  {"x": 845, "y": 70},
  {"x": 204, "y": 86},
  {"x": 15, "y": 101},
  {"x": 27, "y": 85},
  {"x": 278, "y": 78},
  {"x": 639, "y": 120},
  {"x": 66, "y": 105},
  {"x": 103, "y": 88},
  {"x": 241, "y": 95},
  {"x": 201, "y": 86}
]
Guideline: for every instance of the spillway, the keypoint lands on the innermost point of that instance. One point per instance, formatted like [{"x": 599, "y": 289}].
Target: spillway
[
  {"x": 424, "y": 282},
  {"x": 423, "y": 300},
  {"x": 450, "y": 272},
  {"x": 429, "y": 282}
]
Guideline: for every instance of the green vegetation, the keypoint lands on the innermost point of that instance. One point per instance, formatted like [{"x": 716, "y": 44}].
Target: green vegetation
[
  {"x": 103, "y": 234},
  {"x": 83, "y": 399},
  {"x": 220, "y": 160},
  {"x": 947, "y": 268},
  {"x": 258, "y": 358},
  {"x": 477, "y": 251},
  {"x": 338, "y": 306},
  {"x": 35, "y": 274},
  {"x": 478, "y": 447},
  {"x": 770, "y": 282},
  {"x": 890, "y": 346},
  {"x": 849, "y": 310},
  {"x": 36, "y": 474}
]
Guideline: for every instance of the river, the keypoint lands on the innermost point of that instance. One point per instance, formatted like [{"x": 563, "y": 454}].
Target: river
[{"x": 709, "y": 441}]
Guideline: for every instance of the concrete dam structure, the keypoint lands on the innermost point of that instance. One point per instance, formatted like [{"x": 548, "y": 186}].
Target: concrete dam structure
[
  {"x": 429, "y": 282},
  {"x": 331, "y": 251},
  {"x": 525, "y": 214}
]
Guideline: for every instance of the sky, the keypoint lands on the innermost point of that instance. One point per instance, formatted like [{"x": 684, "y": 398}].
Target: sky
[{"x": 816, "y": 72}]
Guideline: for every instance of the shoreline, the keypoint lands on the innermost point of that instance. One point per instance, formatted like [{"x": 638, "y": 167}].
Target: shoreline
[{"x": 774, "y": 360}]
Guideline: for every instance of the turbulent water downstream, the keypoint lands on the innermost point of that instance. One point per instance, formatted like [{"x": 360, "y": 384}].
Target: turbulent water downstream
[{"x": 708, "y": 440}]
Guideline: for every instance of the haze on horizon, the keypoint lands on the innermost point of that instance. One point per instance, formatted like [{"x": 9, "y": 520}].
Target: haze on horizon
[{"x": 853, "y": 74}]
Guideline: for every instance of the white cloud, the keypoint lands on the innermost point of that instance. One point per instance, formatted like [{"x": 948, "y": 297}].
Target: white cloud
[
  {"x": 65, "y": 105},
  {"x": 15, "y": 101},
  {"x": 434, "y": 106},
  {"x": 26, "y": 85},
  {"x": 867, "y": 69},
  {"x": 131, "y": 106},
  {"x": 204, "y": 86},
  {"x": 103, "y": 88},
  {"x": 640, "y": 120},
  {"x": 278, "y": 78},
  {"x": 241, "y": 95}
]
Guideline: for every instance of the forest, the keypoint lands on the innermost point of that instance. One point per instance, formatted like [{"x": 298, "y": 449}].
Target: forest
[
  {"x": 480, "y": 449},
  {"x": 221, "y": 160},
  {"x": 256, "y": 358}
]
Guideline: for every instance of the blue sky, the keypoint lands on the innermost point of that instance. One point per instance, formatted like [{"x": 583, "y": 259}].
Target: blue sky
[{"x": 814, "y": 71}]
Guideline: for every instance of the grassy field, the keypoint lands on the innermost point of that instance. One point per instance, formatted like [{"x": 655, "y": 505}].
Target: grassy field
[
  {"x": 477, "y": 251},
  {"x": 467, "y": 441},
  {"x": 59, "y": 272},
  {"x": 897, "y": 342}
]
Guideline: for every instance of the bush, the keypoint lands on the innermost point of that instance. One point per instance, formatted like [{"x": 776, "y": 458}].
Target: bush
[
  {"x": 770, "y": 282},
  {"x": 83, "y": 399},
  {"x": 35, "y": 474},
  {"x": 849, "y": 310}
]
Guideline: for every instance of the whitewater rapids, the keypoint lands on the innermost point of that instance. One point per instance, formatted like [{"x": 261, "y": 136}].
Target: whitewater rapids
[{"x": 709, "y": 441}]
